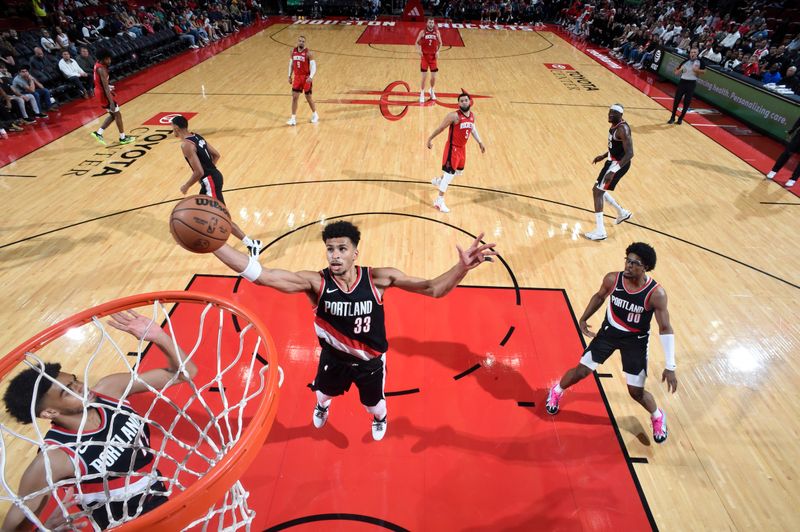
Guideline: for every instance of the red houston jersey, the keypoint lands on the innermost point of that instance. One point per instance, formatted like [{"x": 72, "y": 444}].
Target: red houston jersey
[
  {"x": 300, "y": 62},
  {"x": 429, "y": 42},
  {"x": 461, "y": 130}
]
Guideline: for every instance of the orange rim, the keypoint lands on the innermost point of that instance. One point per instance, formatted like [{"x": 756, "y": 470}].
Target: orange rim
[{"x": 205, "y": 492}]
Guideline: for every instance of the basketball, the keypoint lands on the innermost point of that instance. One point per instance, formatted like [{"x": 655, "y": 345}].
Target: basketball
[{"x": 200, "y": 224}]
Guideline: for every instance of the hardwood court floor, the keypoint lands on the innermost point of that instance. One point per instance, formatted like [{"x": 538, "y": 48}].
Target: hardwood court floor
[{"x": 727, "y": 247}]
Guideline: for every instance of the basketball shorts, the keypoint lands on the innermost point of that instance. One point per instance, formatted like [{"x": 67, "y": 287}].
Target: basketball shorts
[
  {"x": 211, "y": 185},
  {"x": 633, "y": 348},
  {"x": 301, "y": 84},
  {"x": 611, "y": 166},
  {"x": 428, "y": 62},
  {"x": 337, "y": 371},
  {"x": 454, "y": 158},
  {"x": 116, "y": 509}
]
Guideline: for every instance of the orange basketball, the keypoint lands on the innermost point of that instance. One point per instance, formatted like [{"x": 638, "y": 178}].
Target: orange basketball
[{"x": 200, "y": 224}]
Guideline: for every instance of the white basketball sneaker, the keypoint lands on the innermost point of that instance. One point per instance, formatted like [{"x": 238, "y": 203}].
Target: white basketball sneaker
[
  {"x": 790, "y": 183},
  {"x": 771, "y": 174},
  {"x": 433, "y": 95},
  {"x": 320, "y": 416},
  {"x": 623, "y": 215},
  {"x": 292, "y": 122},
  {"x": 379, "y": 428},
  {"x": 314, "y": 118},
  {"x": 596, "y": 235},
  {"x": 422, "y": 97},
  {"x": 439, "y": 204}
]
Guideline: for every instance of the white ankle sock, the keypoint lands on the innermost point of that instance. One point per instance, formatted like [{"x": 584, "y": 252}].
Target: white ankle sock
[
  {"x": 558, "y": 388},
  {"x": 247, "y": 241},
  {"x": 598, "y": 217},
  {"x": 100, "y": 130},
  {"x": 656, "y": 415}
]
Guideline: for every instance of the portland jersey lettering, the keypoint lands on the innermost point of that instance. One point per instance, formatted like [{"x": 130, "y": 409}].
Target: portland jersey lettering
[
  {"x": 630, "y": 311},
  {"x": 119, "y": 445},
  {"x": 351, "y": 322}
]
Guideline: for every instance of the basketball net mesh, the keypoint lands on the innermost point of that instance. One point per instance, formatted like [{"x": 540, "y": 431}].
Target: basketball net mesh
[{"x": 190, "y": 431}]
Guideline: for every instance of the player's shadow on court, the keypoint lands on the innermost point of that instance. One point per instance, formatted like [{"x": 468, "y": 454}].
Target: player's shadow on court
[
  {"x": 633, "y": 425},
  {"x": 557, "y": 511},
  {"x": 527, "y": 449},
  {"x": 45, "y": 248},
  {"x": 281, "y": 433},
  {"x": 651, "y": 128},
  {"x": 501, "y": 384},
  {"x": 718, "y": 168}
]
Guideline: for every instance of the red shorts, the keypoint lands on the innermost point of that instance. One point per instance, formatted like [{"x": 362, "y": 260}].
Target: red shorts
[
  {"x": 301, "y": 84},
  {"x": 454, "y": 158},
  {"x": 428, "y": 62}
]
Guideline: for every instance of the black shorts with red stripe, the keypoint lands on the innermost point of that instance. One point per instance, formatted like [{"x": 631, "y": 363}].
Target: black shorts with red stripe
[
  {"x": 211, "y": 185},
  {"x": 611, "y": 184},
  {"x": 337, "y": 371},
  {"x": 632, "y": 347}
]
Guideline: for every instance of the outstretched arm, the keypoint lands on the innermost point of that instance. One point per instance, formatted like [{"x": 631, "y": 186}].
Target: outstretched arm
[
  {"x": 451, "y": 118},
  {"x": 145, "y": 329},
  {"x": 281, "y": 280},
  {"x": 440, "y": 286},
  {"x": 596, "y": 302}
]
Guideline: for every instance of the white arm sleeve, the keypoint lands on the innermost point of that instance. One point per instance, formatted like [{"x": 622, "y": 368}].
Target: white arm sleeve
[
  {"x": 290, "y": 68},
  {"x": 668, "y": 343},
  {"x": 313, "y": 69},
  {"x": 253, "y": 270}
]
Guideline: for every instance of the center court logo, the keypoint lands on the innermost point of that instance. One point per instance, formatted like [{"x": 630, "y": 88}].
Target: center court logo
[
  {"x": 390, "y": 98},
  {"x": 571, "y": 78}
]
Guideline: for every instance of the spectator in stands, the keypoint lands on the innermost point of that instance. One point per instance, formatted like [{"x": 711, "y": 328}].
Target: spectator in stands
[
  {"x": 792, "y": 80},
  {"x": 25, "y": 83},
  {"x": 733, "y": 60},
  {"x": 90, "y": 31},
  {"x": 684, "y": 42},
  {"x": 48, "y": 43},
  {"x": 748, "y": 67},
  {"x": 186, "y": 37},
  {"x": 711, "y": 54},
  {"x": 85, "y": 60},
  {"x": 19, "y": 98},
  {"x": 761, "y": 51},
  {"x": 731, "y": 39},
  {"x": 74, "y": 74},
  {"x": 795, "y": 44},
  {"x": 781, "y": 57},
  {"x": 7, "y": 109},
  {"x": 38, "y": 62},
  {"x": 773, "y": 75},
  {"x": 62, "y": 40}
]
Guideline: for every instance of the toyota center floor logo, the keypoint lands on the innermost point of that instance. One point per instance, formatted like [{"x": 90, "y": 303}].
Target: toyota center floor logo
[
  {"x": 165, "y": 119},
  {"x": 398, "y": 94}
]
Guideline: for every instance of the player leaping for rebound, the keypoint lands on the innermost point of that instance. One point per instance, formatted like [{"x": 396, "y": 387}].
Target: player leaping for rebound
[
  {"x": 428, "y": 42},
  {"x": 302, "y": 68},
  {"x": 461, "y": 124}
]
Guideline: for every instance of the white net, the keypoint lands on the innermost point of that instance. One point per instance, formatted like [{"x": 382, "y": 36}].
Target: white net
[{"x": 138, "y": 450}]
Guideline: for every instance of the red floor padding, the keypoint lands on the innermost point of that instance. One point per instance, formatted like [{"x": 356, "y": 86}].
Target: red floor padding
[
  {"x": 460, "y": 453},
  {"x": 405, "y": 33}
]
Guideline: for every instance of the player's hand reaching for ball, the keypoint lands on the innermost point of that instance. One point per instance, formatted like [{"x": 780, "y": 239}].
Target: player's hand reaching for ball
[
  {"x": 476, "y": 253},
  {"x": 669, "y": 377},
  {"x": 586, "y": 329},
  {"x": 134, "y": 323}
]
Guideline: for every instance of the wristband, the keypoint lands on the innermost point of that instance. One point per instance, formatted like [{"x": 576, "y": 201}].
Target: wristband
[
  {"x": 668, "y": 343},
  {"x": 253, "y": 270}
]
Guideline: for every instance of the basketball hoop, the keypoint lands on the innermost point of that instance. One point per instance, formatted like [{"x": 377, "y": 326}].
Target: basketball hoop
[{"x": 204, "y": 433}]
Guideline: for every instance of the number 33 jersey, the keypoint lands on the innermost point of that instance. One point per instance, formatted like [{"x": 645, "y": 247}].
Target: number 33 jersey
[{"x": 351, "y": 321}]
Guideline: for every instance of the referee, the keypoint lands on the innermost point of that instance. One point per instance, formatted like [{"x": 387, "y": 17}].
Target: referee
[
  {"x": 791, "y": 147},
  {"x": 688, "y": 71}
]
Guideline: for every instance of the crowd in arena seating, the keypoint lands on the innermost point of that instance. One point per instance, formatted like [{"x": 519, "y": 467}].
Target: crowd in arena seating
[
  {"x": 744, "y": 41},
  {"x": 41, "y": 69}
]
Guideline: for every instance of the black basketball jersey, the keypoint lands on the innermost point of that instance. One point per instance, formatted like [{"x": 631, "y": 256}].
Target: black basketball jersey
[
  {"x": 119, "y": 445},
  {"x": 630, "y": 311},
  {"x": 202, "y": 153},
  {"x": 616, "y": 150},
  {"x": 351, "y": 322}
]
